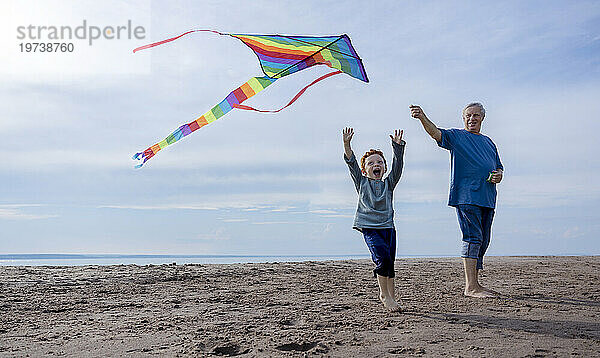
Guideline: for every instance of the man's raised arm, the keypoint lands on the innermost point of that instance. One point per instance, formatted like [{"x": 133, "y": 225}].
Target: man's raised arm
[{"x": 430, "y": 128}]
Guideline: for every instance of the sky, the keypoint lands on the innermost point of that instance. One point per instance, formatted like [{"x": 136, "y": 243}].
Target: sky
[{"x": 276, "y": 184}]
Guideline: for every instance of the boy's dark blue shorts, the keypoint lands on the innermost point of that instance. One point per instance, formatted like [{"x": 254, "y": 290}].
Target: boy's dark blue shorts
[
  {"x": 382, "y": 244},
  {"x": 476, "y": 226}
]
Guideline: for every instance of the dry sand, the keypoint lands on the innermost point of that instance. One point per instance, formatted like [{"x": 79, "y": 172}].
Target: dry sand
[{"x": 551, "y": 308}]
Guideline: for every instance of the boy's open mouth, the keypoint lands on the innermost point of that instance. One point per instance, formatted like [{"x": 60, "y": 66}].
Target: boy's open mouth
[{"x": 377, "y": 172}]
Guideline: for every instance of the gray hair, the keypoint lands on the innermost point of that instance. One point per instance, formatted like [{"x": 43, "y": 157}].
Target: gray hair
[{"x": 475, "y": 104}]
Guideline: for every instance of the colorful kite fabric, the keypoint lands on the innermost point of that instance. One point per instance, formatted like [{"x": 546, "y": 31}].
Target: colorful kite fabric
[{"x": 279, "y": 56}]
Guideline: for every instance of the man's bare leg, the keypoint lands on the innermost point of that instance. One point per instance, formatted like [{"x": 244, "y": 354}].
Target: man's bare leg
[
  {"x": 472, "y": 286},
  {"x": 384, "y": 294},
  {"x": 485, "y": 288}
]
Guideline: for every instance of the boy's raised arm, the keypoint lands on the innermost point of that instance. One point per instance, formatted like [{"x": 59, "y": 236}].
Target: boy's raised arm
[
  {"x": 350, "y": 159},
  {"x": 398, "y": 161},
  {"x": 347, "y": 134},
  {"x": 430, "y": 128}
]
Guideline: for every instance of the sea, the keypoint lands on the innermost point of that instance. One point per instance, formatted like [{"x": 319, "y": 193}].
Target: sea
[{"x": 111, "y": 259}]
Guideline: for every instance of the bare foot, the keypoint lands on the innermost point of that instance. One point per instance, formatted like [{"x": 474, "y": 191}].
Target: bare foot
[
  {"x": 480, "y": 292},
  {"x": 389, "y": 303}
]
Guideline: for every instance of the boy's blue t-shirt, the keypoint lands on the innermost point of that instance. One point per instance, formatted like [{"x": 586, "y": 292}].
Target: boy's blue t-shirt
[{"x": 473, "y": 157}]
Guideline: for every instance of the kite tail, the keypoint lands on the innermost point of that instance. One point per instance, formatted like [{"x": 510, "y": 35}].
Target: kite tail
[
  {"x": 248, "y": 108},
  {"x": 237, "y": 96},
  {"x": 173, "y": 39}
]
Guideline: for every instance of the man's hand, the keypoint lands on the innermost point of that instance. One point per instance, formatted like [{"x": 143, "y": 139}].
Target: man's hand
[
  {"x": 397, "y": 137},
  {"x": 430, "y": 128},
  {"x": 347, "y": 134},
  {"x": 497, "y": 176},
  {"x": 417, "y": 112}
]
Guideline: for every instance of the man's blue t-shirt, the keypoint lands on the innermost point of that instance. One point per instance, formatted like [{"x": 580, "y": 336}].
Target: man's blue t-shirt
[{"x": 473, "y": 157}]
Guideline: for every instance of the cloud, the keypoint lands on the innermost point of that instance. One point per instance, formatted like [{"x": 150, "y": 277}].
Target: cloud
[
  {"x": 283, "y": 209},
  {"x": 232, "y": 220},
  {"x": 54, "y": 160},
  {"x": 277, "y": 202},
  {"x": 322, "y": 211},
  {"x": 219, "y": 234},
  {"x": 159, "y": 207},
  {"x": 13, "y": 212},
  {"x": 280, "y": 223},
  {"x": 328, "y": 213},
  {"x": 337, "y": 216},
  {"x": 20, "y": 205},
  {"x": 545, "y": 191},
  {"x": 574, "y": 232},
  {"x": 104, "y": 56}
]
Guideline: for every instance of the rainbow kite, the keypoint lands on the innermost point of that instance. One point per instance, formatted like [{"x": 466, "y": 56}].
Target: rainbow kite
[{"x": 279, "y": 56}]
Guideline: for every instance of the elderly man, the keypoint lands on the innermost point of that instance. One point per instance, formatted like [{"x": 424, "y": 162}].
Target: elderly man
[{"x": 476, "y": 169}]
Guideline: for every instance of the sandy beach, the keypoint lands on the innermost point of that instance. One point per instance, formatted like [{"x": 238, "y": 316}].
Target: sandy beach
[{"x": 551, "y": 307}]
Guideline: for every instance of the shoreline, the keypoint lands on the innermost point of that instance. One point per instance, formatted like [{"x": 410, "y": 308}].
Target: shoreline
[
  {"x": 73, "y": 260},
  {"x": 551, "y": 307}
]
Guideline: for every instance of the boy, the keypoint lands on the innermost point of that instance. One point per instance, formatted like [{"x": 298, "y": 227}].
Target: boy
[{"x": 375, "y": 212}]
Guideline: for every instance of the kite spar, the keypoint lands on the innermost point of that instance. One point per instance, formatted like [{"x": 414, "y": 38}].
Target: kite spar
[{"x": 279, "y": 56}]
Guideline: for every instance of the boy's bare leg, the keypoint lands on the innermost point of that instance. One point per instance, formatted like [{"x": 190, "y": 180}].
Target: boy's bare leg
[
  {"x": 392, "y": 289},
  {"x": 472, "y": 286},
  {"x": 384, "y": 294}
]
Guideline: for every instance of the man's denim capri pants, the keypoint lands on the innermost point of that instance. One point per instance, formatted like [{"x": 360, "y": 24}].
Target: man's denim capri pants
[
  {"x": 382, "y": 244},
  {"x": 476, "y": 225}
]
